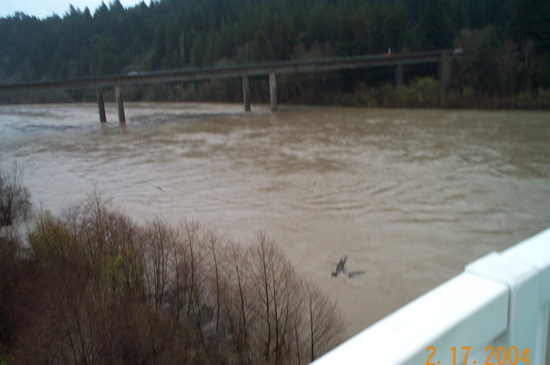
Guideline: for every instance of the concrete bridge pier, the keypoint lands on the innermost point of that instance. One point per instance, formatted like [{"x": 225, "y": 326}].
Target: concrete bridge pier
[
  {"x": 101, "y": 106},
  {"x": 273, "y": 91},
  {"x": 399, "y": 76},
  {"x": 445, "y": 70},
  {"x": 120, "y": 105},
  {"x": 246, "y": 93}
]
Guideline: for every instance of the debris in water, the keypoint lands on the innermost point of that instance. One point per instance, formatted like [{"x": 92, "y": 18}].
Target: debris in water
[
  {"x": 341, "y": 268},
  {"x": 353, "y": 274}
]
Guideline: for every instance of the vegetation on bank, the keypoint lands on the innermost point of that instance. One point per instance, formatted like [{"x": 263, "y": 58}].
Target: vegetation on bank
[
  {"x": 428, "y": 93},
  {"x": 506, "y": 45},
  {"x": 423, "y": 92},
  {"x": 95, "y": 287}
]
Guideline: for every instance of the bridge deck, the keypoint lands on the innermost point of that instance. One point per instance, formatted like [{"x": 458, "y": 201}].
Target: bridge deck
[{"x": 234, "y": 71}]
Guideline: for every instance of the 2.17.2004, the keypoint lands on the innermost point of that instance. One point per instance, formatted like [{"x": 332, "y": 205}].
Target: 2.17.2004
[{"x": 502, "y": 355}]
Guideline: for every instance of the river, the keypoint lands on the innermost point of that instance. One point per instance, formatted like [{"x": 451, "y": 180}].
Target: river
[{"x": 410, "y": 196}]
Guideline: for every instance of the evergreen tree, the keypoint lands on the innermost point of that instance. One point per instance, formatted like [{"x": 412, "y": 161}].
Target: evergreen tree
[
  {"x": 168, "y": 34},
  {"x": 434, "y": 28}
]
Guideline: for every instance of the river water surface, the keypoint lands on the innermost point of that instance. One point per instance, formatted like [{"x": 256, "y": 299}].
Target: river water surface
[{"x": 410, "y": 196}]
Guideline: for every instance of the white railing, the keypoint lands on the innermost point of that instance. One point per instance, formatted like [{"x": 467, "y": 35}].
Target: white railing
[{"x": 495, "y": 312}]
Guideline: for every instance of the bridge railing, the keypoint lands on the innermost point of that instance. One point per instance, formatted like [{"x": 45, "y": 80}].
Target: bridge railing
[
  {"x": 397, "y": 60},
  {"x": 495, "y": 312}
]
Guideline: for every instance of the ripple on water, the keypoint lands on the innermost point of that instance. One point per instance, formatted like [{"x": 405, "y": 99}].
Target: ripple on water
[{"x": 401, "y": 192}]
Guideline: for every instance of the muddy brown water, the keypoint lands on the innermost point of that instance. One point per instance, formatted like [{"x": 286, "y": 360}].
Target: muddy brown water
[{"x": 410, "y": 196}]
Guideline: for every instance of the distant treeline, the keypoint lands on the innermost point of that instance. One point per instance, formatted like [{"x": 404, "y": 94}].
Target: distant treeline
[{"x": 506, "y": 43}]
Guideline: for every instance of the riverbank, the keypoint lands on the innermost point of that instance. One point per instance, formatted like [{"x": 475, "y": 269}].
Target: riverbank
[
  {"x": 410, "y": 196},
  {"x": 428, "y": 93}
]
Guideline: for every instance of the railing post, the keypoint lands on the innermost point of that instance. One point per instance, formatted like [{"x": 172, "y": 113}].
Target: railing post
[
  {"x": 101, "y": 106},
  {"x": 542, "y": 335},
  {"x": 273, "y": 91},
  {"x": 120, "y": 105},
  {"x": 536, "y": 252},
  {"x": 498, "y": 308},
  {"x": 246, "y": 93},
  {"x": 522, "y": 280}
]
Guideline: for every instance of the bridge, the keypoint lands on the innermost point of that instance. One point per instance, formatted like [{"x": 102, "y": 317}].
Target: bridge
[{"x": 397, "y": 60}]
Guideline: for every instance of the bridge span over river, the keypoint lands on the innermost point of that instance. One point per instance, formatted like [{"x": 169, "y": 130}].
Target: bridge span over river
[{"x": 397, "y": 60}]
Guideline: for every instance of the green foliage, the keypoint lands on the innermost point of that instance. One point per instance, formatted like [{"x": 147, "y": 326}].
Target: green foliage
[
  {"x": 529, "y": 20},
  {"x": 434, "y": 28},
  {"x": 423, "y": 92},
  {"x": 172, "y": 34},
  {"x": 427, "y": 92},
  {"x": 49, "y": 237},
  {"x": 538, "y": 99},
  {"x": 5, "y": 360}
]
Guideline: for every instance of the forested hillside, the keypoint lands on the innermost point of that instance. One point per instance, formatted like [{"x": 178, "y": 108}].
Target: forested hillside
[{"x": 507, "y": 42}]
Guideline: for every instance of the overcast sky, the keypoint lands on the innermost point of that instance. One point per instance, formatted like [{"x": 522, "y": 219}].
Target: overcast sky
[{"x": 45, "y": 8}]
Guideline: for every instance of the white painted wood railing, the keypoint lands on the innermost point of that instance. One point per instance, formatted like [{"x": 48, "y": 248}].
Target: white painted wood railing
[{"x": 495, "y": 312}]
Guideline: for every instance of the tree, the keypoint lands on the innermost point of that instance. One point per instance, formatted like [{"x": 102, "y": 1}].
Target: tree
[
  {"x": 491, "y": 63},
  {"x": 434, "y": 28},
  {"x": 395, "y": 26},
  {"x": 105, "y": 52},
  {"x": 10, "y": 249},
  {"x": 529, "y": 20},
  {"x": 323, "y": 323},
  {"x": 159, "y": 47},
  {"x": 15, "y": 198},
  {"x": 262, "y": 48},
  {"x": 100, "y": 288},
  {"x": 476, "y": 67},
  {"x": 237, "y": 300}
]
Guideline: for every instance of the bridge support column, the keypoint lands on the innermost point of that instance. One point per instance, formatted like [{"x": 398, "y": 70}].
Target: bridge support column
[
  {"x": 273, "y": 91},
  {"x": 101, "y": 106},
  {"x": 246, "y": 93},
  {"x": 445, "y": 70},
  {"x": 120, "y": 105},
  {"x": 399, "y": 76}
]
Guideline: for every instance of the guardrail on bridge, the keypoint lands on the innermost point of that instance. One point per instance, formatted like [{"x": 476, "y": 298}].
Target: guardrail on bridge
[
  {"x": 496, "y": 312},
  {"x": 397, "y": 60}
]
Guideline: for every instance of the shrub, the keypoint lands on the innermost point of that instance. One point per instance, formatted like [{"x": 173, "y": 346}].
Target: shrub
[
  {"x": 103, "y": 289},
  {"x": 15, "y": 198},
  {"x": 9, "y": 271}
]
